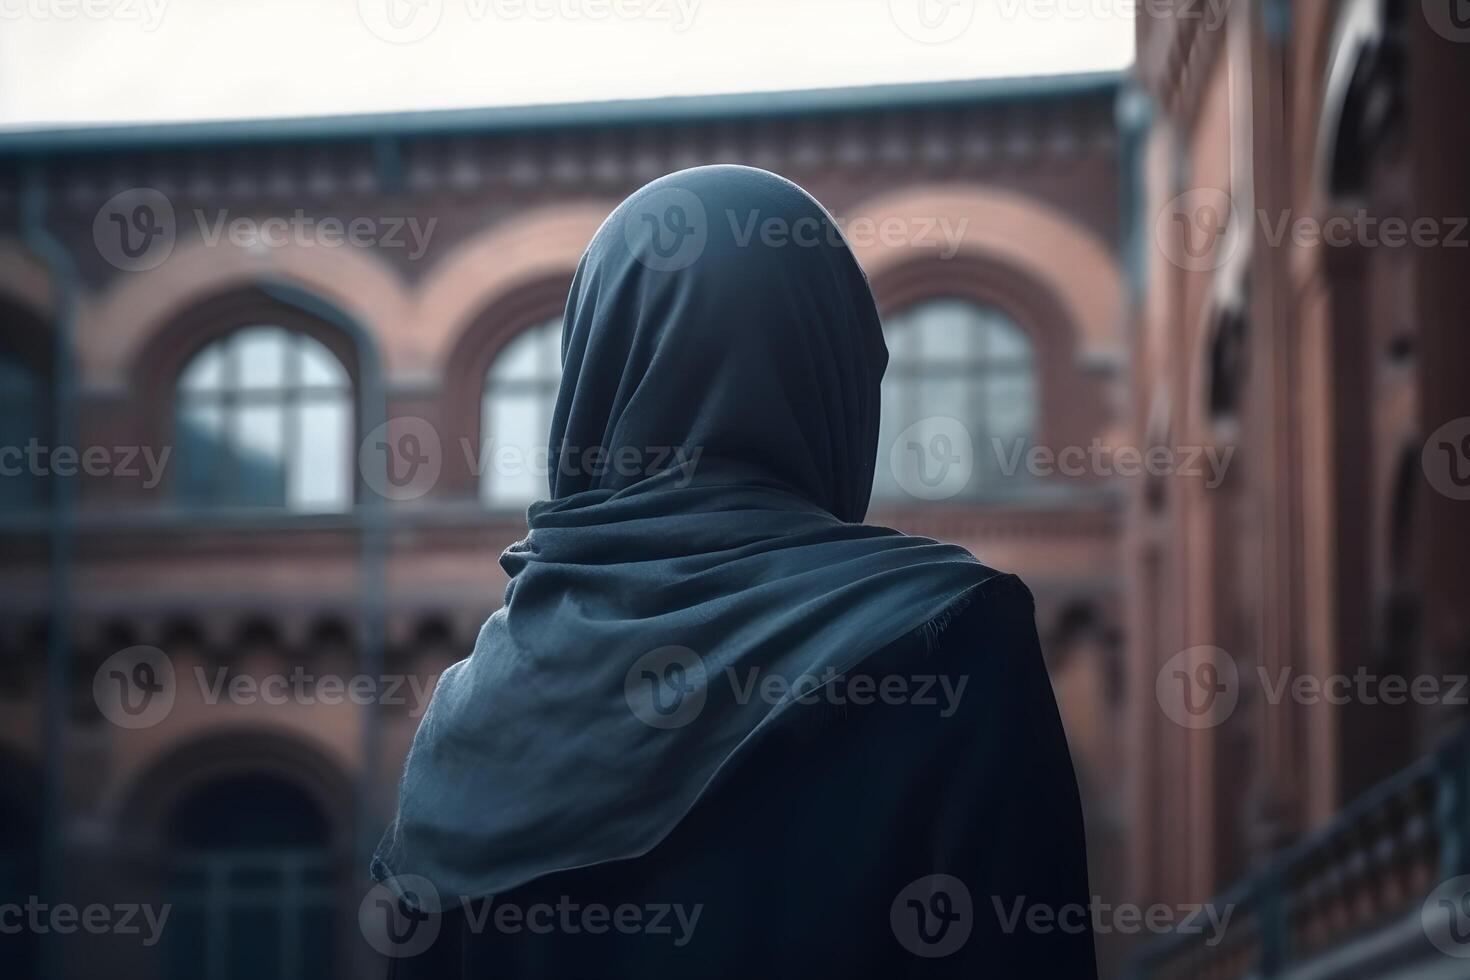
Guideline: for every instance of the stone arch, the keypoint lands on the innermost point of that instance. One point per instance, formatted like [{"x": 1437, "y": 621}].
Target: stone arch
[
  {"x": 1007, "y": 231},
  {"x": 511, "y": 312},
  {"x": 123, "y": 326},
  {"x": 144, "y": 806},
  {"x": 540, "y": 246},
  {"x": 1012, "y": 290}
]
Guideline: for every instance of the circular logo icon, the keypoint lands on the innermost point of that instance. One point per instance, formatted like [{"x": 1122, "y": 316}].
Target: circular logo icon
[
  {"x": 933, "y": 916},
  {"x": 1450, "y": 19},
  {"x": 1199, "y": 687},
  {"x": 1197, "y": 230},
  {"x": 666, "y": 688},
  {"x": 667, "y": 229},
  {"x": 402, "y": 458},
  {"x": 135, "y": 230},
  {"x": 932, "y": 21},
  {"x": 400, "y": 21},
  {"x": 933, "y": 458},
  {"x": 399, "y": 917},
  {"x": 1446, "y": 459},
  {"x": 135, "y": 688},
  {"x": 1445, "y": 917}
]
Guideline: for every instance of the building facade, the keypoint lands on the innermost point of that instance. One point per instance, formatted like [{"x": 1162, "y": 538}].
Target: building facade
[
  {"x": 274, "y": 397},
  {"x": 1299, "y": 257}
]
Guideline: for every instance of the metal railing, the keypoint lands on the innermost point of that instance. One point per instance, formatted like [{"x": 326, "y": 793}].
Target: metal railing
[{"x": 1366, "y": 872}]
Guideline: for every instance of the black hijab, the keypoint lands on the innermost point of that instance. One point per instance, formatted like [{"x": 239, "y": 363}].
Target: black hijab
[{"x": 699, "y": 568}]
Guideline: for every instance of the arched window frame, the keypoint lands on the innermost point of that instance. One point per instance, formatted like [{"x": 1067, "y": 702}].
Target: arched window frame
[
  {"x": 991, "y": 352},
  {"x": 1061, "y": 362},
  {"x": 159, "y": 364},
  {"x": 538, "y": 349},
  {"x": 503, "y": 319},
  {"x": 300, "y": 385}
]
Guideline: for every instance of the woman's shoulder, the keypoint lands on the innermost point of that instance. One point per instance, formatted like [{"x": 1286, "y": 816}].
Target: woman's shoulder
[{"x": 1000, "y": 600}]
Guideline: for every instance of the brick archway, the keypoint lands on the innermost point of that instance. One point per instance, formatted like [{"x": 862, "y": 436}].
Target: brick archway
[
  {"x": 132, "y": 321},
  {"x": 496, "y": 270},
  {"x": 1024, "y": 240},
  {"x": 162, "y": 782}
]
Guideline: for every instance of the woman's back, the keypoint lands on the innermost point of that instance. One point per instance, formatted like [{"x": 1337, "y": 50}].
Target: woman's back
[
  {"x": 669, "y": 711},
  {"x": 904, "y": 823}
]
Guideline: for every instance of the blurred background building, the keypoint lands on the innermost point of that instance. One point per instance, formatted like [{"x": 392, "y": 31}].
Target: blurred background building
[
  {"x": 1300, "y": 295},
  {"x": 275, "y": 390},
  {"x": 351, "y": 434}
]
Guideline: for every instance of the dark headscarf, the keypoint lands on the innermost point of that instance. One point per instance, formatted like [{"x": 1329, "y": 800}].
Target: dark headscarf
[{"x": 715, "y": 436}]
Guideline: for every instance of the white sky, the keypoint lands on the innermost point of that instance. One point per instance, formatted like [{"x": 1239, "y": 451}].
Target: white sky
[{"x": 111, "y": 61}]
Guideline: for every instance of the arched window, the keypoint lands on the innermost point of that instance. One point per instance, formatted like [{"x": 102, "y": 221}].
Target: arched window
[
  {"x": 515, "y": 416},
  {"x": 957, "y": 359},
  {"x": 23, "y": 401},
  {"x": 264, "y": 419},
  {"x": 252, "y": 882}
]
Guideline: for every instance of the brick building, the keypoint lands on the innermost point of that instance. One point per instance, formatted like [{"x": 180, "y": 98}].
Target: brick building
[
  {"x": 294, "y": 310},
  {"x": 1298, "y": 260}
]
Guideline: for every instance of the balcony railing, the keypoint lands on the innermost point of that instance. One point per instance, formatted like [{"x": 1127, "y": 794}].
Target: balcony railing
[{"x": 1346, "y": 901}]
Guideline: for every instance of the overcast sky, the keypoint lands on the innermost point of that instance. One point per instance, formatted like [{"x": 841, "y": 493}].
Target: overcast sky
[{"x": 111, "y": 61}]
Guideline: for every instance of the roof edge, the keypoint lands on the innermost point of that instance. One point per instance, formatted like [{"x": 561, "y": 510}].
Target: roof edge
[{"x": 672, "y": 110}]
